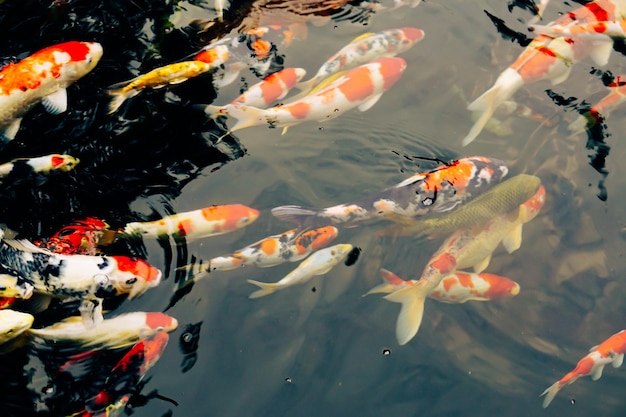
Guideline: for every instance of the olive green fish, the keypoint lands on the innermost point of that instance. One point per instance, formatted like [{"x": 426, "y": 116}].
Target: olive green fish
[{"x": 502, "y": 198}]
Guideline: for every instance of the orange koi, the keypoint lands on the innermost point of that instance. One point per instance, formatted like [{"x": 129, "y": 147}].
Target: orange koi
[
  {"x": 79, "y": 237},
  {"x": 43, "y": 77},
  {"x": 602, "y": 110},
  {"x": 611, "y": 351},
  {"x": 196, "y": 224}
]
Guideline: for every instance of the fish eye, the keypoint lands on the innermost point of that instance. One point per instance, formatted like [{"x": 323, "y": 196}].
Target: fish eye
[
  {"x": 89, "y": 59},
  {"x": 101, "y": 280},
  {"x": 131, "y": 281}
]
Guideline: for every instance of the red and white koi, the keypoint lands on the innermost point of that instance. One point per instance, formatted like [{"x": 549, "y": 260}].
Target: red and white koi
[
  {"x": 547, "y": 58},
  {"x": 13, "y": 323},
  {"x": 594, "y": 30},
  {"x": 290, "y": 246},
  {"x": 40, "y": 165},
  {"x": 456, "y": 288},
  {"x": 611, "y": 351},
  {"x": 128, "y": 372},
  {"x": 272, "y": 88},
  {"x": 603, "y": 108},
  {"x": 84, "y": 277},
  {"x": 157, "y": 78},
  {"x": 437, "y": 191},
  {"x": 319, "y": 263},
  {"x": 359, "y": 88},
  {"x": 196, "y": 224},
  {"x": 364, "y": 49},
  {"x": 113, "y": 333},
  {"x": 468, "y": 247},
  {"x": 79, "y": 237},
  {"x": 43, "y": 77}
]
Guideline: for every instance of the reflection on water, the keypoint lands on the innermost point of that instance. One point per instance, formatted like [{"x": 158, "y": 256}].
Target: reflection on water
[{"x": 321, "y": 348}]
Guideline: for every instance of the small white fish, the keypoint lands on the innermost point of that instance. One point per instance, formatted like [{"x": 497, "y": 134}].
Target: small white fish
[
  {"x": 13, "y": 323},
  {"x": 319, "y": 263}
]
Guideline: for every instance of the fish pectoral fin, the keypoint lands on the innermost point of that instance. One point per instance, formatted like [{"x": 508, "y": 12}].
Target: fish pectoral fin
[
  {"x": 513, "y": 240},
  {"x": 597, "y": 372},
  {"x": 562, "y": 77},
  {"x": 618, "y": 359},
  {"x": 11, "y": 131},
  {"x": 369, "y": 103},
  {"x": 56, "y": 102},
  {"x": 601, "y": 51},
  {"x": 91, "y": 312},
  {"x": 482, "y": 265}
]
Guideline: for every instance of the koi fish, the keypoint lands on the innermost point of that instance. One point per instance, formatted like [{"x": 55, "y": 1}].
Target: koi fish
[
  {"x": 113, "y": 333},
  {"x": 547, "y": 58},
  {"x": 43, "y": 77},
  {"x": 467, "y": 247},
  {"x": 84, "y": 277},
  {"x": 129, "y": 371},
  {"x": 595, "y": 30},
  {"x": 602, "y": 110},
  {"x": 437, "y": 191},
  {"x": 456, "y": 288},
  {"x": 196, "y": 224},
  {"x": 40, "y": 165},
  {"x": 79, "y": 237},
  {"x": 319, "y": 263},
  {"x": 13, "y": 323},
  {"x": 611, "y": 351},
  {"x": 364, "y": 49},
  {"x": 157, "y": 78},
  {"x": 500, "y": 199},
  {"x": 290, "y": 246},
  {"x": 273, "y": 87},
  {"x": 361, "y": 87}
]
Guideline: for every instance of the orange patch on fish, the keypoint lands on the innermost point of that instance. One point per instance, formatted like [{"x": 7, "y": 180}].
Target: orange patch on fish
[
  {"x": 185, "y": 227},
  {"x": 358, "y": 84},
  {"x": 465, "y": 279},
  {"x": 154, "y": 320},
  {"x": 299, "y": 110},
  {"x": 445, "y": 263},
  {"x": 269, "y": 246},
  {"x": 391, "y": 69}
]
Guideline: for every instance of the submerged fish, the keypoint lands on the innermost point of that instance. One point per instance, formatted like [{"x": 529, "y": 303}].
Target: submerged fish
[
  {"x": 593, "y": 30},
  {"x": 363, "y": 49},
  {"x": 13, "y": 323},
  {"x": 196, "y": 224},
  {"x": 500, "y": 199},
  {"x": 604, "y": 107},
  {"x": 43, "y": 77},
  {"x": 290, "y": 246},
  {"x": 319, "y": 263},
  {"x": 157, "y": 78},
  {"x": 359, "y": 88},
  {"x": 467, "y": 247},
  {"x": 611, "y": 351},
  {"x": 547, "y": 58},
  {"x": 79, "y": 237},
  {"x": 437, "y": 191},
  {"x": 40, "y": 165},
  {"x": 113, "y": 333}
]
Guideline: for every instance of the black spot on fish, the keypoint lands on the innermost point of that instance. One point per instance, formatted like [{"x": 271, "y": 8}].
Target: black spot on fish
[
  {"x": 352, "y": 256},
  {"x": 104, "y": 263}
]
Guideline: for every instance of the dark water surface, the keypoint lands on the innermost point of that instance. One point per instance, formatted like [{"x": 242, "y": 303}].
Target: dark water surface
[{"x": 321, "y": 348}]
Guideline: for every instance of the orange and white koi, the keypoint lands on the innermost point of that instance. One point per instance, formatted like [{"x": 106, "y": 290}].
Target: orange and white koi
[
  {"x": 364, "y": 49},
  {"x": 13, "y": 323},
  {"x": 196, "y": 224},
  {"x": 603, "y": 108},
  {"x": 593, "y": 30},
  {"x": 113, "y": 333},
  {"x": 361, "y": 87},
  {"x": 456, "y": 288},
  {"x": 437, "y": 191},
  {"x": 547, "y": 58},
  {"x": 467, "y": 247},
  {"x": 43, "y": 77},
  {"x": 128, "y": 372},
  {"x": 41, "y": 165},
  {"x": 272, "y": 88},
  {"x": 611, "y": 351},
  {"x": 157, "y": 78},
  {"x": 84, "y": 277},
  {"x": 319, "y": 263},
  {"x": 79, "y": 237},
  {"x": 290, "y": 246}
]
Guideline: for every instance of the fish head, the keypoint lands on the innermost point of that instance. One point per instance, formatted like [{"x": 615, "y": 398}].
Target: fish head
[
  {"x": 64, "y": 163},
  {"x": 317, "y": 238},
  {"x": 231, "y": 216},
  {"x": 499, "y": 286},
  {"x": 341, "y": 250},
  {"x": 532, "y": 206},
  {"x": 13, "y": 286},
  {"x": 78, "y": 58},
  {"x": 160, "y": 321},
  {"x": 13, "y": 323},
  {"x": 410, "y": 36},
  {"x": 390, "y": 69},
  {"x": 133, "y": 276}
]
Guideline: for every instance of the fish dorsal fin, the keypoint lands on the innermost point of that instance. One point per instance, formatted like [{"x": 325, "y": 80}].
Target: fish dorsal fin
[
  {"x": 56, "y": 102},
  {"x": 601, "y": 52},
  {"x": 327, "y": 81},
  {"x": 26, "y": 246},
  {"x": 11, "y": 131},
  {"x": 361, "y": 37},
  {"x": 370, "y": 102}
]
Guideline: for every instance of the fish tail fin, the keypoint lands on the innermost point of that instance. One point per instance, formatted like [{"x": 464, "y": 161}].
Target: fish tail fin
[
  {"x": 507, "y": 84},
  {"x": 266, "y": 289},
  {"x": 411, "y": 312},
  {"x": 118, "y": 97},
  {"x": 550, "y": 393},
  {"x": 214, "y": 111},
  {"x": 391, "y": 283},
  {"x": 247, "y": 116},
  {"x": 294, "y": 214}
]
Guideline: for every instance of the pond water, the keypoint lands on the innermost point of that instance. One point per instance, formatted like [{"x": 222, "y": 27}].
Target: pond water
[{"x": 322, "y": 348}]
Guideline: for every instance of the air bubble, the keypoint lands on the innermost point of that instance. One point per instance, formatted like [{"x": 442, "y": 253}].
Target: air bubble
[{"x": 386, "y": 352}]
